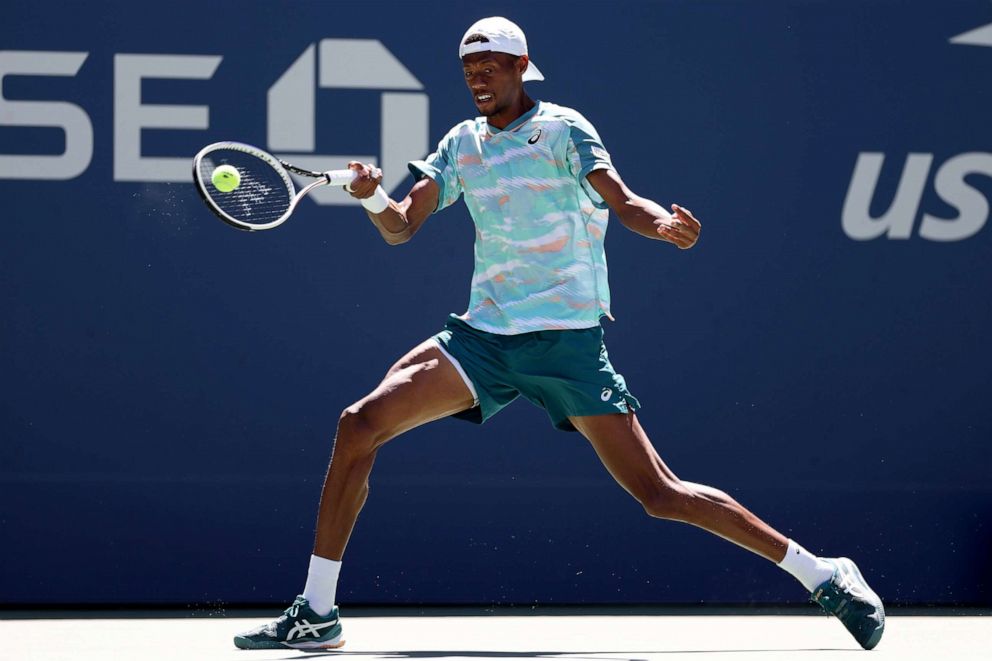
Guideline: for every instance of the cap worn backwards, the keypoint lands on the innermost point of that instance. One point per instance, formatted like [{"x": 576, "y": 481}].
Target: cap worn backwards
[{"x": 499, "y": 35}]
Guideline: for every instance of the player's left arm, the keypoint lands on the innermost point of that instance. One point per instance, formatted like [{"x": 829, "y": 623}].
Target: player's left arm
[{"x": 642, "y": 215}]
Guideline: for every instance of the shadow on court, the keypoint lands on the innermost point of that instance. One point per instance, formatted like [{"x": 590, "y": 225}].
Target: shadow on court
[{"x": 589, "y": 655}]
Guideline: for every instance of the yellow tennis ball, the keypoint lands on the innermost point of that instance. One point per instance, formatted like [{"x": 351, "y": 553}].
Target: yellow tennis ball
[{"x": 226, "y": 178}]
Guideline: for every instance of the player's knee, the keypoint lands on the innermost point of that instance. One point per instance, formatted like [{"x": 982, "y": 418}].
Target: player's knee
[
  {"x": 669, "y": 501},
  {"x": 358, "y": 435}
]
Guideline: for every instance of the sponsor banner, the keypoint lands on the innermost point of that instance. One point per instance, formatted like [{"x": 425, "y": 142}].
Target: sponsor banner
[{"x": 170, "y": 386}]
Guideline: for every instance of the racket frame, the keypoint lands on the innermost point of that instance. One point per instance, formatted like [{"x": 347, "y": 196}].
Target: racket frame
[{"x": 281, "y": 167}]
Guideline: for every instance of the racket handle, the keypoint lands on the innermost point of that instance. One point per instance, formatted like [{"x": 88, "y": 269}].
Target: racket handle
[{"x": 340, "y": 177}]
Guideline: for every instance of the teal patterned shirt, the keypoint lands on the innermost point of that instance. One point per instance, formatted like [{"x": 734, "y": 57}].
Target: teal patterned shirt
[{"x": 539, "y": 226}]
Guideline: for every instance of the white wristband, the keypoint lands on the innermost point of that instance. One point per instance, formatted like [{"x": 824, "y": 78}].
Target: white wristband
[{"x": 378, "y": 202}]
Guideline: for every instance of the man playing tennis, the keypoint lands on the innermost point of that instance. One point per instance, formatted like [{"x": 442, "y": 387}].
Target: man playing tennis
[{"x": 539, "y": 185}]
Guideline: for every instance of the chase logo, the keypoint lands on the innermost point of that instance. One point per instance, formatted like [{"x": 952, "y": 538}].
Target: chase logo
[
  {"x": 348, "y": 64},
  {"x": 950, "y": 183},
  {"x": 291, "y": 121}
]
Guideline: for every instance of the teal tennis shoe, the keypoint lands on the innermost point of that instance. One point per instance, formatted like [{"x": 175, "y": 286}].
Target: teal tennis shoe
[
  {"x": 299, "y": 627},
  {"x": 847, "y": 597}
]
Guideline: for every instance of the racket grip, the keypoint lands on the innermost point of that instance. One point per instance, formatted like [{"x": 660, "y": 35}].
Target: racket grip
[{"x": 340, "y": 177}]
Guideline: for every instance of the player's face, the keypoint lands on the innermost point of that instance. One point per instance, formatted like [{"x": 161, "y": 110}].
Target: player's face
[{"x": 495, "y": 80}]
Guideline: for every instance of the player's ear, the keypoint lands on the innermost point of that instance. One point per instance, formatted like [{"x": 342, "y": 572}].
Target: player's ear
[{"x": 522, "y": 62}]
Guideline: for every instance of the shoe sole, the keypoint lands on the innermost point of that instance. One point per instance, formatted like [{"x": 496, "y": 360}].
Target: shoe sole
[
  {"x": 245, "y": 644},
  {"x": 333, "y": 644}
]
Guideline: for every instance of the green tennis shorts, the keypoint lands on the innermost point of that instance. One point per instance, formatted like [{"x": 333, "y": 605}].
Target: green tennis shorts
[{"x": 565, "y": 372}]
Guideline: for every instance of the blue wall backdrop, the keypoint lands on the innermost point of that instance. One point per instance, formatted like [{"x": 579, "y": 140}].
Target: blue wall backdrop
[{"x": 169, "y": 387}]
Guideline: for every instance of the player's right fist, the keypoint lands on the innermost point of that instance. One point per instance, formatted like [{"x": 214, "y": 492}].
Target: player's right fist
[{"x": 366, "y": 181}]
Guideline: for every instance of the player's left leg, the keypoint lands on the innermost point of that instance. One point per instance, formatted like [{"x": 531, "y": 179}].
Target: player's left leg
[{"x": 627, "y": 452}]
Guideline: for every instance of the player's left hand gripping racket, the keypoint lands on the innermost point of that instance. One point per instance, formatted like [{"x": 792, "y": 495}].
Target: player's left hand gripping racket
[{"x": 261, "y": 195}]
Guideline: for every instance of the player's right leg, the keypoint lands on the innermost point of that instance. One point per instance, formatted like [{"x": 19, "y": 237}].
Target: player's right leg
[{"x": 422, "y": 386}]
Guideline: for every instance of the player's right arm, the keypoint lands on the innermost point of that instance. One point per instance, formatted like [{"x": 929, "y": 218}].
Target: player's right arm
[{"x": 399, "y": 221}]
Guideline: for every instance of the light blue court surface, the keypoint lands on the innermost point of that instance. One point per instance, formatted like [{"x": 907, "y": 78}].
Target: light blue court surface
[{"x": 566, "y": 637}]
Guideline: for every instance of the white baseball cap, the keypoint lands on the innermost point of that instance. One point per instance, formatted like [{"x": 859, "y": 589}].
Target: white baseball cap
[{"x": 501, "y": 36}]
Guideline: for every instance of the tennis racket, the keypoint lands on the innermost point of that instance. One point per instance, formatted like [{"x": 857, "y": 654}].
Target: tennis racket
[{"x": 265, "y": 197}]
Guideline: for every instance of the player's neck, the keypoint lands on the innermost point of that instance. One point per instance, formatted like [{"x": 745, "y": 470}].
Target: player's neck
[{"x": 512, "y": 112}]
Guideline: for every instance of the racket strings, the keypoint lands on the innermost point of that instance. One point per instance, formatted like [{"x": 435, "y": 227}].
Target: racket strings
[{"x": 262, "y": 196}]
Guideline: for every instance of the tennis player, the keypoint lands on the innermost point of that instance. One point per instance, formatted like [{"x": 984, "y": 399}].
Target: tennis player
[{"x": 539, "y": 185}]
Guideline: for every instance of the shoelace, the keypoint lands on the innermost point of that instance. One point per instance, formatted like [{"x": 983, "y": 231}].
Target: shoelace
[
  {"x": 847, "y": 590},
  {"x": 294, "y": 610},
  {"x": 849, "y": 586}
]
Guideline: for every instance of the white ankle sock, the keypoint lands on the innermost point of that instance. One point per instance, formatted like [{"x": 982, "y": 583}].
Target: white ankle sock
[
  {"x": 808, "y": 569},
  {"x": 322, "y": 584}
]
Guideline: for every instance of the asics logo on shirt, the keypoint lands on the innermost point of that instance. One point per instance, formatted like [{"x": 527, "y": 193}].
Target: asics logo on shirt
[{"x": 534, "y": 138}]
